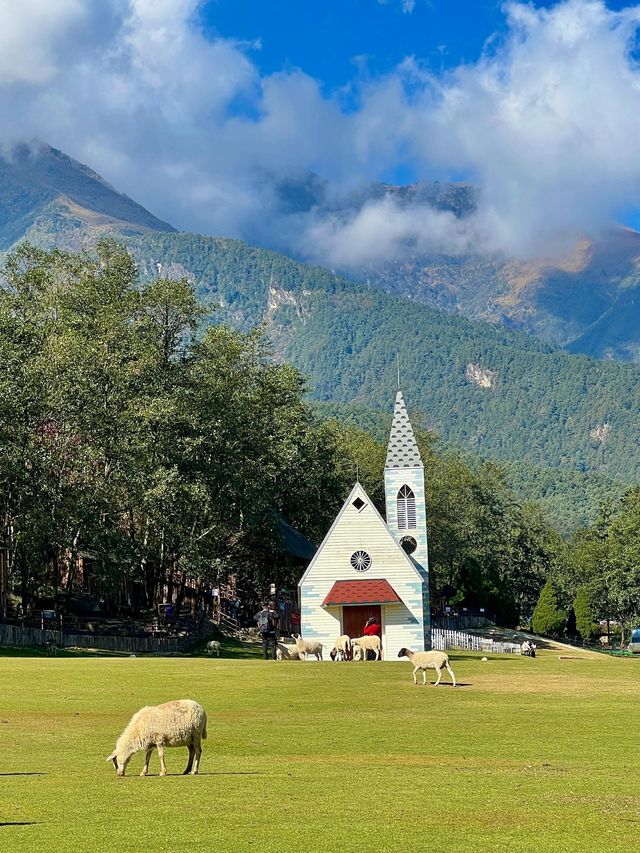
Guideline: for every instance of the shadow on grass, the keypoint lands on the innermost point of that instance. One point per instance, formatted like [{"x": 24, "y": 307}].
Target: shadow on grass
[
  {"x": 209, "y": 773},
  {"x": 39, "y": 652},
  {"x": 453, "y": 655},
  {"x": 25, "y": 773},
  {"x": 18, "y": 823}
]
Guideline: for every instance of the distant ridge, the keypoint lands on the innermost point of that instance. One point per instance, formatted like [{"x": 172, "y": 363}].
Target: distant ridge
[{"x": 51, "y": 198}]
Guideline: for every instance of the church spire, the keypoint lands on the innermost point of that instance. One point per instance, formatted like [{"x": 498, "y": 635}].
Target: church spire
[{"x": 402, "y": 451}]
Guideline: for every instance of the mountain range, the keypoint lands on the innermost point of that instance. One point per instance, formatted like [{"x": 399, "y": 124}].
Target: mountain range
[
  {"x": 586, "y": 299},
  {"x": 564, "y": 426}
]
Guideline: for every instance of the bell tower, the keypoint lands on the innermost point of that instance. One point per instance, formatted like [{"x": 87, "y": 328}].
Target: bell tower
[{"x": 405, "y": 499}]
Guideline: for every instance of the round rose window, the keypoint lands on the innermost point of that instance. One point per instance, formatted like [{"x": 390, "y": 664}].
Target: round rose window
[{"x": 361, "y": 561}]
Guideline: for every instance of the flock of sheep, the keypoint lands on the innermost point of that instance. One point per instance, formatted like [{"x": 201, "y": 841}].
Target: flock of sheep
[
  {"x": 183, "y": 722},
  {"x": 348, "y": 648},
  {"x": 345, "y": 648}
]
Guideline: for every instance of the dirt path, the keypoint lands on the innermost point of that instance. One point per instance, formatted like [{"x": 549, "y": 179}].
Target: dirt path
[{"x": 543, "y": 644}]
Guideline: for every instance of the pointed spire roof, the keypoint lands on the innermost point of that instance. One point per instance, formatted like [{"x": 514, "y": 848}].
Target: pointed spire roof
[{"x": 402, "y": 451}]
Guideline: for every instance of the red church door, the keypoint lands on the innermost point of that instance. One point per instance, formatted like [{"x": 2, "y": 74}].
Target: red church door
[{"x": 354, "y": 618}]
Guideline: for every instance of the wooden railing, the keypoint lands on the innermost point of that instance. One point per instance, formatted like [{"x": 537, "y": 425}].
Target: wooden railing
[{"x": 19, "y": 635}]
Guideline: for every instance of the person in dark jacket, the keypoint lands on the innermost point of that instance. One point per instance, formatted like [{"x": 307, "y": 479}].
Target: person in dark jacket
[{"x": 267, "y": 620}]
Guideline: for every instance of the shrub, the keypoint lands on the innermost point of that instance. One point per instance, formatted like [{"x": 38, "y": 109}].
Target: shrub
[{"x": 548, "y": 617}]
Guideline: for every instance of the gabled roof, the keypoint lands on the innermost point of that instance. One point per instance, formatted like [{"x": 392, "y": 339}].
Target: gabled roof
[
  {"x": 402, "y": 451},
  {"x": 294, "y": 542},
  {"x": 359, "y": 492},
  {"x": 362, "y": 592}
]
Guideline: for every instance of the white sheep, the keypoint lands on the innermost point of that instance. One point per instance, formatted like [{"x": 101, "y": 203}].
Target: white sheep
[
  {"x": 308, "y": 647},
  {"x": 181, "y": 722},
  {"x": 284, "y": 651},
  {"x": 357, "y": 653},
  {"x": 366, "y": 644},
  {"x": 213, "y": 647},
  {"x": 428, "y": 660},
  {"x": 342, "y": 648}
]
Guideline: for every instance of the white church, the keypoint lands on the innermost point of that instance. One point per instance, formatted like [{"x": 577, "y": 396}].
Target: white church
[{"x": 368, "y": 567}]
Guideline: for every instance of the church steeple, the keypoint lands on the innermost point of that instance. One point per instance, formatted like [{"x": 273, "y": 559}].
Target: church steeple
[
  {"x": 405, "y": 499},
  {"x": 402, "y": 450}
]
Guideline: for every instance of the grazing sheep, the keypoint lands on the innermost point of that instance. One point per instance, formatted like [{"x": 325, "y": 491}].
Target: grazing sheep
[
  {"x": 357, "y": 653},
  {"x": 428, "y": 660},
  {"x": 342, "y": 649},
  {"x": 284, "y": 651},
  {"x": 307, "y": 647},
  {"x": 213, "y": 647},
  {"x": 181, "y": 722},
  {"x": 366, "y": 644}
]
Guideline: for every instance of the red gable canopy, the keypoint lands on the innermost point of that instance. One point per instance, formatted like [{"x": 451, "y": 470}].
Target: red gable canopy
[{"x": 362, "y": 592}]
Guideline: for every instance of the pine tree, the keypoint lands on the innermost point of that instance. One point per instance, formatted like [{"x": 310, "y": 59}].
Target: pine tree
[
  {"x": 586, "y": 612},
  {"x": 548, "y": 617}
]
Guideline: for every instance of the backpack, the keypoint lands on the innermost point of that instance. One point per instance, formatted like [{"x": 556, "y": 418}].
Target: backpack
[{"x": 264, "y": 622}]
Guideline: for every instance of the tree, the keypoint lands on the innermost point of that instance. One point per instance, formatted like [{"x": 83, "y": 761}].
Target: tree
[
  {"x": 622, "y": 569},
  {"x": 548, "y": 617},
  {"x": 133, "y": 431},
  {"x": 586, "y": 611}
]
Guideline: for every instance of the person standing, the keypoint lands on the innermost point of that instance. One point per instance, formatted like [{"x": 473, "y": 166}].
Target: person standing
[
  {"x": 372, "y": 629},
  {"x": 267, "y": 620}
]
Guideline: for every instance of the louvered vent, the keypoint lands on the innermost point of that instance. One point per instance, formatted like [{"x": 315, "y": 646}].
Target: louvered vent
[{"x": 406, "y": 509}]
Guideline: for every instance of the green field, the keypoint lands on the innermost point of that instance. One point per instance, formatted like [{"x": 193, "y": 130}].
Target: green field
[{"x": 527, "y": 755}]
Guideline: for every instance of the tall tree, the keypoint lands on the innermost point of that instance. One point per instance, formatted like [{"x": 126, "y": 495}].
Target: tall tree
[{"x": 548, "y": 618}]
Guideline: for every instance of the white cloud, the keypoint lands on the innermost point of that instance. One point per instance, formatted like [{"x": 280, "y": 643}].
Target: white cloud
[
  {"x": 383, "y": 229},
  {"x": 30, "y": 37},
  {"x": 547, "y": 122}
]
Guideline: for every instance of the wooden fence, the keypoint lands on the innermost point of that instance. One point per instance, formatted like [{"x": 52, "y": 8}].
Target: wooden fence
[
  {"x": 443, "y": 639},
  {"x": 18, "y": 635}
]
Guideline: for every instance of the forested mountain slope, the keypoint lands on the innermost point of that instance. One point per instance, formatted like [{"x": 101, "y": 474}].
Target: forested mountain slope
[{"x": 492, "y": 391}]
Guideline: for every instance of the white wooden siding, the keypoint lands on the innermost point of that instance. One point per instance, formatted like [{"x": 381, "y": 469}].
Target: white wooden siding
[{"x": 366, "y": 530}]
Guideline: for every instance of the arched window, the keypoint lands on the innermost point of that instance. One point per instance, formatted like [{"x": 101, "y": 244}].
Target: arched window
[{"x": 406, "y": 509}]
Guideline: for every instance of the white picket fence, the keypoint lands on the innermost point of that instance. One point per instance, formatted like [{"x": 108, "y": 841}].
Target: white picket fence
[{"x": 443, "y": 639}]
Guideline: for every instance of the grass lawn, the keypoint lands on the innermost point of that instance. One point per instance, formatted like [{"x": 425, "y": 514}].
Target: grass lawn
[{"x": 529, "y": 755}]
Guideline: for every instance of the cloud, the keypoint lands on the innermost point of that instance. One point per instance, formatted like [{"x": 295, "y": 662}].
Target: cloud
[
  {"x": 383, "y": 229},
  {"x": 547, "y": 123},
  {"x": 28, "y": 59}
]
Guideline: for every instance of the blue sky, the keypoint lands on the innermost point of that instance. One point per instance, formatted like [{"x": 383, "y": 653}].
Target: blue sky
[{"x": 330, "y": 39}]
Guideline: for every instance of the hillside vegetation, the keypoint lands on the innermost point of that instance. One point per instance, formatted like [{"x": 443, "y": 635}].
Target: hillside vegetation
[{"x": 543, "y": 407}]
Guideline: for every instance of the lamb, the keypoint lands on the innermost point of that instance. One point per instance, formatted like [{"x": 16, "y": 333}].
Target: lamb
[
  {"x": 425, "y": 661},
  {"x": 213, "y": 647},
  {"x": 307, "y": 647},
  {"x": 366, "y": 644},
  {"x": 181, "y": 722},
  {"x": 287, "y": 652},
  {"x": 342, "y": 648}
]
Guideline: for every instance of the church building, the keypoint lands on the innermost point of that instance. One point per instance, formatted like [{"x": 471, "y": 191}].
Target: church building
[{"x": 368, "y": 567}]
